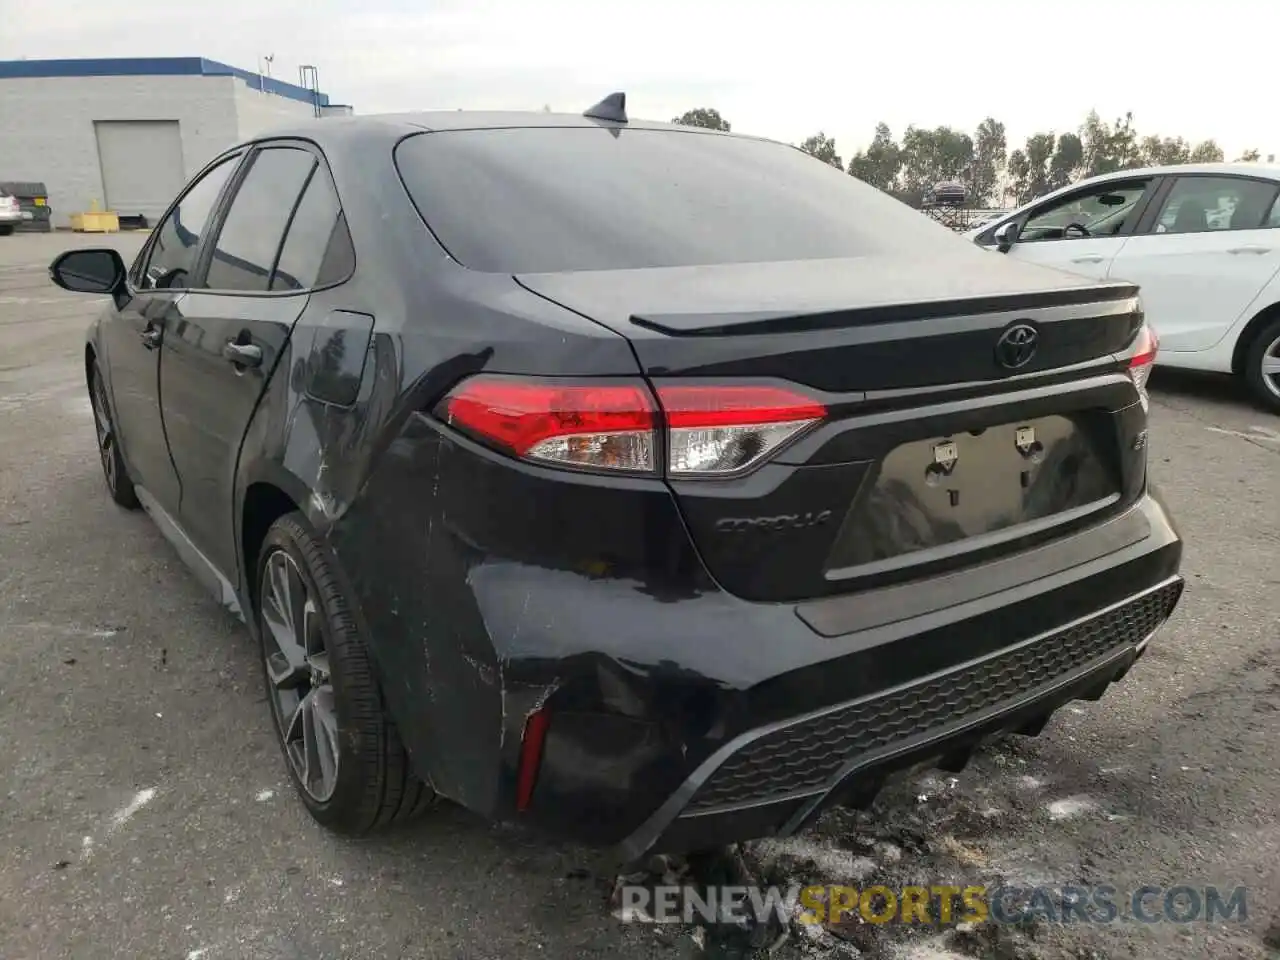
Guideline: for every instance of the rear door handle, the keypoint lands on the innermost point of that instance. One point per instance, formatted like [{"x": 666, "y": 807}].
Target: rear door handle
[
  {"x": 1089, "y": 258},
  {"x": 1252, "y": 248},
  {"x": 242, "y": 354},
  {"x": 151, "y": 337}
]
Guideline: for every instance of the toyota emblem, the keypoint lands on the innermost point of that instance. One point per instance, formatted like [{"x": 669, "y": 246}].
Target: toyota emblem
[{"x": 1017, "y": 346}]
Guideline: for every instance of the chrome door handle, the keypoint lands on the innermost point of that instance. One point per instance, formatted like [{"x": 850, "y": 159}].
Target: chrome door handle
[
  {"x": 1249, "y": 249},
  {"x": 1089, "y": 258},
  {"x": 242, "y": 354},
  {"x": 151, "y": 337}
]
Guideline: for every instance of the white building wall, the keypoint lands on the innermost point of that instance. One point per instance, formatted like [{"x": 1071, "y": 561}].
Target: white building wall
[
  {"x": 259, "y": 112},
  {"x": 47, "y": 133}
]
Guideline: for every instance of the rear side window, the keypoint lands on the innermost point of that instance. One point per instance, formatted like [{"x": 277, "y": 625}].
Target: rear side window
[
  {"x": 318, "y": 228},
  {"x": 1273, "y": 219},
  {"x": 254, "y": 227},
  {"x": 546, "y": 199},
  {"x": 1197, "y": 204}
]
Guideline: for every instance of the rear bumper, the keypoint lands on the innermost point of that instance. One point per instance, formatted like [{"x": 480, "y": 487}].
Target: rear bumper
[
  {"x": 775, "y": 780},
  {"x": 777, "y": 715}
]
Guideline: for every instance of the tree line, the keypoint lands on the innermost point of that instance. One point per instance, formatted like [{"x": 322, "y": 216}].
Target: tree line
[{"x": 992, "y": 175}]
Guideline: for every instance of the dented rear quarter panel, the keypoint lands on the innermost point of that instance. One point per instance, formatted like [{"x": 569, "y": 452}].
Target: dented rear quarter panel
[{"x": 344, "y": 430}]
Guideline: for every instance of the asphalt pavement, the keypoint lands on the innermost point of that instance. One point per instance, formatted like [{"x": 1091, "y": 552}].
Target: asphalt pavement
[{"x": 145, "y": 812}]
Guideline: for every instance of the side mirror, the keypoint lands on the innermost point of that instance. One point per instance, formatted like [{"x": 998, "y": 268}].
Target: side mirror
[
  {"x": 88, "y": 271},
  {"x": 1006, "y": 236}
]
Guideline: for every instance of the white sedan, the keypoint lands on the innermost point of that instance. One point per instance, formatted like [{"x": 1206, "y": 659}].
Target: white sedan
[{"x": 1202, "y": 241}]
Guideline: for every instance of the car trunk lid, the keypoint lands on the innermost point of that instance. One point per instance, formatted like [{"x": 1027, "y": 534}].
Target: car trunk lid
[{"x": 974, "y": 408}]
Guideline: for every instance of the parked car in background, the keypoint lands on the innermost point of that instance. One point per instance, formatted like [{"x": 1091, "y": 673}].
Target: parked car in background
[
  {"x": 1202, "y": 241},
  {"x": 32, "y": 198},
  {"x": 10, "y": 213},
  {"x": 651, "y": 485}
]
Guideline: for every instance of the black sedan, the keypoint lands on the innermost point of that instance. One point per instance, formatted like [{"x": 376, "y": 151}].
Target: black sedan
[{"x": 653, "y": 486}]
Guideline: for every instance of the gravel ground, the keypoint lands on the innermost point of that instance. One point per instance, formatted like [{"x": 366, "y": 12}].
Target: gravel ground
[{"x": 146, "y": 814}]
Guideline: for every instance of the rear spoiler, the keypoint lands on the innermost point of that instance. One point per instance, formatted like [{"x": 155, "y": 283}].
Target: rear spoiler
[{"x": 759, "y": 323}]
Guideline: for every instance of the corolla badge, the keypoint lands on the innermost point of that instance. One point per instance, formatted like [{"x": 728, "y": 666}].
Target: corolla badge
[{"x": 786, "y": 521}]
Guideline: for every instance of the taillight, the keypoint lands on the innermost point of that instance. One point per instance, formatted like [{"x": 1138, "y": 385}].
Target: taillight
[
  {"x": 709, "y": 430},
  {"x": 723, "y": 429},
  {"x": 1145, "y": 348},
  {"x": 606, "y": 425}
]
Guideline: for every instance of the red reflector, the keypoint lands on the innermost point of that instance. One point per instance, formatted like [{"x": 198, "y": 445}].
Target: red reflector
[
  {"x": 1146, "y": 346},
  {"x": 535, "y": 734},
  {"x": 520, "y": 414},
  {"x": 726, "y": 406}
]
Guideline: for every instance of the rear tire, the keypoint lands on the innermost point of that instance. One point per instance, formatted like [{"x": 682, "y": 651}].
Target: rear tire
[
  {"x": 113, "y": 469},
  {"x": 6, "y": 230},
  {"x": 342, "y": 750},
  {"x": 1262, "y": 367}
]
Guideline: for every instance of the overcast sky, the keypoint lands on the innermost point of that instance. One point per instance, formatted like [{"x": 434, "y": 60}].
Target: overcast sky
[{"x": 778, "y": 68}]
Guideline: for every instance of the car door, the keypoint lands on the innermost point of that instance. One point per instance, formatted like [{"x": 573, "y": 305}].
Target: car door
[
  {"x": 1203, "y": 256},
  {"x": 131, "y": 336},
  {"x": 1083, "y": 230},
  {"x": 235, "y": 326}
]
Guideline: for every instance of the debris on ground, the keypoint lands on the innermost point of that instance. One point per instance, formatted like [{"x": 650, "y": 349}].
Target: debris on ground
[{"x": 924, "y": 831}]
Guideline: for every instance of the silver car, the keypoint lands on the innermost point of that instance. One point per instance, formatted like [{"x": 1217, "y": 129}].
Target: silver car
[{"x": 10, "y": 213}]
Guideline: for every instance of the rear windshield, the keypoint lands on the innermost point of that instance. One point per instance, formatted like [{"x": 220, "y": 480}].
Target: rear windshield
[{"x": 546, "y": 199}]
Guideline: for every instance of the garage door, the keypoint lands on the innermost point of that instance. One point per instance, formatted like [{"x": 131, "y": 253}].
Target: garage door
[{"x": 141, "y": 162}]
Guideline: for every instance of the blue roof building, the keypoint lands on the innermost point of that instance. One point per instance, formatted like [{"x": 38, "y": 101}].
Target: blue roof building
[{"x": 128, "y": 133}]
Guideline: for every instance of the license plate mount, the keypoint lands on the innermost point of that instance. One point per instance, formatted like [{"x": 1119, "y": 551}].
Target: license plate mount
[{"x": 945, "y": 489}]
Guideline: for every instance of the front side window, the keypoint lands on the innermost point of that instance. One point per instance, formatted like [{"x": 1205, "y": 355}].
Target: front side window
[
  {"x": 172, "y": 255},
  {"x": 1200, "y": 204},
  {"x": 1100, "y": 212},
  {"x": 249, "y": 241}
]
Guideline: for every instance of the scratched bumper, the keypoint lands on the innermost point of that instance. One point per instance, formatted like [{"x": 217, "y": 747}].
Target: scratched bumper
[
  {"x": 670, "y": 759},
  {"x": 776, "y": 780}
]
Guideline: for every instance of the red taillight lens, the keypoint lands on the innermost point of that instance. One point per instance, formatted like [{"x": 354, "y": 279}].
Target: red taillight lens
[
  {"x": 723, "y": 429},
  {"x": 606, "y": 425},
  {"x": 711, "y": 429},
  {"x": 1145, "y": 348}
]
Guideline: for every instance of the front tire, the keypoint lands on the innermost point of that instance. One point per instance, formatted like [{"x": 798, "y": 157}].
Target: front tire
[
  {"x": 113, "y": 469},
  {"x": 1262, "y": 367},
  {"x": 6, "y": 230},
  {"x": 343, "y": 752}
]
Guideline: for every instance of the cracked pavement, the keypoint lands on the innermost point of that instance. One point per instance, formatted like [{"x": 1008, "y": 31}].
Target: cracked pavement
[{"x": 146, "y": 813}]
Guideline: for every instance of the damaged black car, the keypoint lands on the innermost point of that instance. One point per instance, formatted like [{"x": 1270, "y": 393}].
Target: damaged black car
[{"x": 652, "y": 486}]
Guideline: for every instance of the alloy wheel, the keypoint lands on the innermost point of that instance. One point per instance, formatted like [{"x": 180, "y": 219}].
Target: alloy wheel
[
  {"x": 106, "y": 432},
  {"x": 297, "y": 662},
  {"x": 1271, "y": 366}
]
